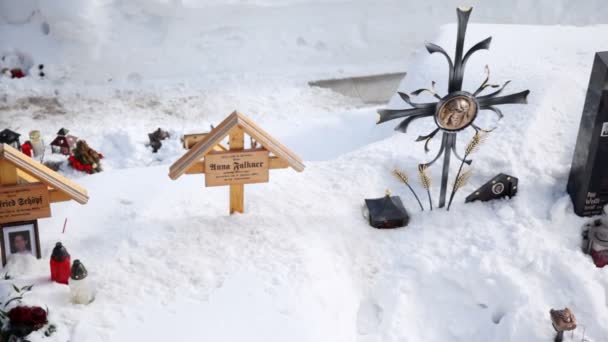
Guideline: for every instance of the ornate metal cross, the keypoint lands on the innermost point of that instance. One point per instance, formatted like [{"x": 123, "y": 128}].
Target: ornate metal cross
[{"x": 458, "y": 109}]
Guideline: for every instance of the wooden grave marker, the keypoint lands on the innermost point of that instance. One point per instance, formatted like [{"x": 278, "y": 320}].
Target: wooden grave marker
[
  {"x": 27, "y": 188},
  {"x": 237, "y": 166}
]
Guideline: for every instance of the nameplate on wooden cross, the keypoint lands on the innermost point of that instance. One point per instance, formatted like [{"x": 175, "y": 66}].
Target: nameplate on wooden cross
[
  {"x": 24, "y": 202},
  {"x": 240, "y": 167}
]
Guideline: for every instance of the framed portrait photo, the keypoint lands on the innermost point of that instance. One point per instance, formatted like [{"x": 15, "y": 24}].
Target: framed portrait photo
[{"x": 20, "y": 238}]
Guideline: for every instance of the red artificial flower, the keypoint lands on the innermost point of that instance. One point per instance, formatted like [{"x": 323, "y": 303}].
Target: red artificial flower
[
  {"x": 38, "y": 317},
  {"x": 34, "y": 317},
  {"x": 20, "y": 315}
]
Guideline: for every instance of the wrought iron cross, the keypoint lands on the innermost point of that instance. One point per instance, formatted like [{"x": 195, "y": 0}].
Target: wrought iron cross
[{"x": 458, "y": 109}]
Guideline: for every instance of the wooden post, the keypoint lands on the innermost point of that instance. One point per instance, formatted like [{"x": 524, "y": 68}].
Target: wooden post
[
  {"x": 237, "y": 191},
  {"x": 8, "y": 173}
]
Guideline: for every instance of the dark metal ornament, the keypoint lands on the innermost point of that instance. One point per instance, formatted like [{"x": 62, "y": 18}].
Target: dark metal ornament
[
  {"x": 456, "y": 111},
  {"x": 498, "y": 187}
]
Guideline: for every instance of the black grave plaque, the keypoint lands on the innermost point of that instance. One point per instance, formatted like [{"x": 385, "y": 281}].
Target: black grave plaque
[{"x": 588, "y": 182}]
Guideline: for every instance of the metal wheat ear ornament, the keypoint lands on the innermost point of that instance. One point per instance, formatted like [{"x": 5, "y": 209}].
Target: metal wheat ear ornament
[{"x": 458, "y": 109}]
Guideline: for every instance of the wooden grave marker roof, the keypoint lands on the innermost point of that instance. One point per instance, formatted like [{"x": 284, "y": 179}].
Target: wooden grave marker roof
[
  {"x": 235, "y": 120},
  {"x": 28, "y": 170}
]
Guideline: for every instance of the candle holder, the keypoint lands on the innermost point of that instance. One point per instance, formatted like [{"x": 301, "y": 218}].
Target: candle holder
[{"x": 562, "y": 320}]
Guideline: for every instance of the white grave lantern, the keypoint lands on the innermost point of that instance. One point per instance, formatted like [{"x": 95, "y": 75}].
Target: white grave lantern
[{"x": 81, "y": 288}]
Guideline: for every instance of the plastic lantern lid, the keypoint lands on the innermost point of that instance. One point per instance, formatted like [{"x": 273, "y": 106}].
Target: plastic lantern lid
[
  {"x": 59, "y": 252},
  {"x": 78, "y": 271}
]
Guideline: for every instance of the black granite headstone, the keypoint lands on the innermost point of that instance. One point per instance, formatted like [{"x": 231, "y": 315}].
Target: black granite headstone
[{"x": 588, "y": 182}]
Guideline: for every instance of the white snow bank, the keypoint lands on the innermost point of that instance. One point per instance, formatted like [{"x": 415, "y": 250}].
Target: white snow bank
[{"x": 302, "y": 264}]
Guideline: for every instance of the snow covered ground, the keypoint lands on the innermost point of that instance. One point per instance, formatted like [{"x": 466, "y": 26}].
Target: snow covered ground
[{"x": 302, "y": 264}]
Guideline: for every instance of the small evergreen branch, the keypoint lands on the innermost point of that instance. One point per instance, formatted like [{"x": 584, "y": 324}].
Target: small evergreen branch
[
  {"x": 402, "y": 176},
  {"x": 425, "y": 180}
]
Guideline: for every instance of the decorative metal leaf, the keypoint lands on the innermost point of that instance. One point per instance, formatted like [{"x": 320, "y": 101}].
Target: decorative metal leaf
[
  {"x": 402, "y": 127},
  {"x": 521, "y": 97},
  {"x": 482, "y": 45},
  {"x": 407, "y": 99},
  {"x": 434, "y": 48},
  {"x": 496, "y": 92},
  {"x": 495, "y": 110},
  {"x": 390, "y": 114},
  {"x": 479, "y": 129},
  {"x": 432, "y": 91},
  {"x": 428, "y": 139},
  {"x": 425, "y": 137}
]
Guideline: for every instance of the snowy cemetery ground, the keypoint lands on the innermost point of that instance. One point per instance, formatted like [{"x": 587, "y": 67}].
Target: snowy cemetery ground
[{"x": 302, "y": 264}]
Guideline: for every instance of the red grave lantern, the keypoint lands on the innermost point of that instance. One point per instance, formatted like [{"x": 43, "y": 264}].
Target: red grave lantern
[
  {"x": 26, "y": 148},
  {"x": 60, "y": 264}
]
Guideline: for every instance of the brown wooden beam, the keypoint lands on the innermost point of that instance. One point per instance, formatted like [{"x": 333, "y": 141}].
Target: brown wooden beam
[
  {"x": 237, "y": 191},
  {"x": 8, "y": 173},
  {"x": 58, "y": 196}
]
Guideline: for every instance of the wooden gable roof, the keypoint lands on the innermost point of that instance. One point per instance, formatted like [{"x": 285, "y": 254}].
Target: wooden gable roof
[
  {"x": 35, "y": 171},
  {"x": 234, "y": 120}
]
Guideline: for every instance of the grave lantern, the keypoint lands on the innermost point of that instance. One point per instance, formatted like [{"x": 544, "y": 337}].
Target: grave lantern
[
  {"x": 26, "y": 148},
  {"x": 63, "y": 143},
  {"x": 595, "y": 238},
  {"x": 37, "y": 143},
  {"x": 386, "y": 212},
  {"x": 10, "y": 138},
  {"x": 81, "y": 289},
  {"x": 60, "y": 264}
]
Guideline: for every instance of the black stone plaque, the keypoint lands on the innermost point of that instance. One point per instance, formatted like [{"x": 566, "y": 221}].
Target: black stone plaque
[{"x": 588, "y": 182}]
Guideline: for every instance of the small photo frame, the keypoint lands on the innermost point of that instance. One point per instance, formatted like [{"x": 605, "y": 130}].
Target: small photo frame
[
  {"x": 20, "y": 238},
  {"x": 604, "y": 130}
]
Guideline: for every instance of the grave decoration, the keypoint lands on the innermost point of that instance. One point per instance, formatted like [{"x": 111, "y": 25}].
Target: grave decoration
[
  {"x": 239, "y": 165},
  {"x": 595, "y": 241},
  {"x": 37, "y": 143},
  {"x": 458, "y": 109},
  {"x": 156, "y": 137},
  {"x": 81, "y": 288},
  {"x": 402, "y": 176},
  {"x": 60, "y": 264},
  {"x": 588, "y": 181},
  {"x": 386, "y": 212},
  {"x": 85, "y": 159},
  {"x": 498, "y": 187},
  {"x": 64, "y": 143},
  {"x": 27, "y": 149},
  {"x": 189, "y": 140},
  {"x": 562, "y": 320},
  {"x": 10, "y": 138},
  {"x": 17, "y": 321},
  {"x": 27, "y": 188}
]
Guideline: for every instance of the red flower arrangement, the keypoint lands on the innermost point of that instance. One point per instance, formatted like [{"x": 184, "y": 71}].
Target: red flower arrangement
[
  {"x": 33, "y": 317},
  {"x": 76, "y": 164}
]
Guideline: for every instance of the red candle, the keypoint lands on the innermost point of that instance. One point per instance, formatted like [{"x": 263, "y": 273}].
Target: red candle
[{"x": 60, "y": 264}]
